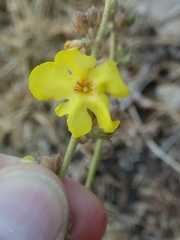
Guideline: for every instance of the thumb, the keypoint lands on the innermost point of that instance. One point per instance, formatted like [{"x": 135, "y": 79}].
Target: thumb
[{"x": 32, "y": 204}]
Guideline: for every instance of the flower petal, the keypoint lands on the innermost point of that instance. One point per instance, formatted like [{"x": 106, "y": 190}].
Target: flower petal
[
  {"x": 63, "y": 109},
  {"x": 79, "y": 122},
  {"x": 100, "y": 107},
  {"x": 108, "y": 79},
  {"x": 75, "y": 61},
  {"x": 48, "y": 81}
]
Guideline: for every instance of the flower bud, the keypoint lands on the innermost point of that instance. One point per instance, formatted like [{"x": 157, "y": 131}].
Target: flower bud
[
  {"x": 53, "y": 162},
  {"x": 83, "y": 45},
  {"x": 119, "y": 18},
  {"x": 123, "y": 19},
  {"x": 94, "y": 16},
  {"x": 80, "y": 22},
  {"x": 73, "y": 44},
  {"x": 28, "y": 159}
]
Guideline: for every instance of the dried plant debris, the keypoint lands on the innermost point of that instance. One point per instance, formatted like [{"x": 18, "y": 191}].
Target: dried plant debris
[{"x": 137, "y": 178}]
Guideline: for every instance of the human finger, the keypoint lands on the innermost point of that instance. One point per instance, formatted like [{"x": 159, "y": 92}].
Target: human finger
[{"x": 33, "y": 203}]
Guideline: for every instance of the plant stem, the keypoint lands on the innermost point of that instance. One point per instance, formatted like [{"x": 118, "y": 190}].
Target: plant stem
[
  {"x": 95, "y": 159},
  {"x": 94, "y": 163},
  {"x": 68, "y": 156},
  {"x": 112, "y": 42},
  {"x": 100, "y": 33},
  {"x": 95, "y": 50}
]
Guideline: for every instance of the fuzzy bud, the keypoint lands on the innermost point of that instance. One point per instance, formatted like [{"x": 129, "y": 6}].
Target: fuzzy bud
[
  {"x": 83, "y": 45},
  {"x": 80, "y": 22},
  {"x": 119, "y": 18},
  {"x": 53, "y": 162},
  {"x": 94, "y": 16},
  {"x": 73, "y": 44}
]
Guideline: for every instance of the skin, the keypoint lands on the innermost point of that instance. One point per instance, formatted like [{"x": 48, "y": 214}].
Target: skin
[{"x": 35, "y": 204}]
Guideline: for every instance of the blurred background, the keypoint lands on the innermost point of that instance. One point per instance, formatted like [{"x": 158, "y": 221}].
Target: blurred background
[{"x": 138, "y": 178}]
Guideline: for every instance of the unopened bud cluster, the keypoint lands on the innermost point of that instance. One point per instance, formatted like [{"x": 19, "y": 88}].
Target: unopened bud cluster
[
  {"x": 86, "y": 23},
  {"x": 83, "y": 22}
]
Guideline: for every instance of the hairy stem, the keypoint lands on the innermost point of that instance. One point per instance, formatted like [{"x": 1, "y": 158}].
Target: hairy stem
[
  {"x": 112, "y": 42},
  {"x": 101, "y": 30},
  {"x": 68, "y": 156},
  {"x": 94, "y": 163}
]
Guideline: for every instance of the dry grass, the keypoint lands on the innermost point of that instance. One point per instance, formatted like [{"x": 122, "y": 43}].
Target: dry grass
[{"x": 139, "y": 188}]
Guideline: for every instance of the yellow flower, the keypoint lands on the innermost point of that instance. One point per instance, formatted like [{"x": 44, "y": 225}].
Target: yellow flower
[{"x": 73, "y": 77}]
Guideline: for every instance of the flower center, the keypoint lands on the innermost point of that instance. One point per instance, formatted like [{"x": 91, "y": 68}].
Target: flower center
[
  {"x": 85, "y": 89},
  {"x": 84, "y": 86}
]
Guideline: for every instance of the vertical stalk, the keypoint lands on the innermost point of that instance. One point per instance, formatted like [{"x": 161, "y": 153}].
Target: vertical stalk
[
  {"x": 112, "y": 42},
  {"x": 101, "y": 30},
  {"x": 94, "y": 163},
  {"x": 95, "y": 50},
  {"x": 68, "y": 156}
]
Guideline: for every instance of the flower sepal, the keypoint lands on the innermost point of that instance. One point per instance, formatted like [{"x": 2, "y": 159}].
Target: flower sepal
[{"x": 98, "y": 133}]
